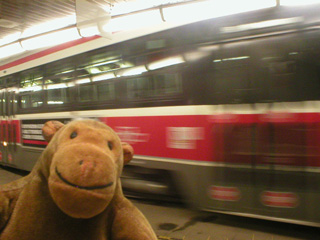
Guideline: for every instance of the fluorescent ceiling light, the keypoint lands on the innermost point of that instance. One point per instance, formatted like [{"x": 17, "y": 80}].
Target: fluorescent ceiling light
[
  {"x": 55, "y": 102},
  {"x": 89, "y": 31},
  {"x": 202, "y": 10},
  {"x": 59, "y": 85},
  {"x": 166, "y": 62},
  {"x": 56, "y": 86},
  {"x": 10, "y": 38},
  {"x": 10, "y": 50},
  {"x": 200, "y": 53},
  {"x": 33, "y": 89},
  {"x": 298, "y": 2},
  {"x": 132, "y": 6},
  {"x": 50, "y": 39},
  {"x": 133, "y": 21},
  {"x": 103, "y": 77},
  {"x": 49, "y": 26},
  {"x": 231, "y": 59},
  {"x": 71, "y": 84},
  {"x": 94, "y": 27},
  {"x": 94, "y": 70},
  {"x": 82, "y": 81},
  {"x": 13, "y": 89},
  {"x": 91, "y": 17},
  {"x": 104, "y": 63},
  {"x": 132, "y": 71},
  {"x": 196, "y": 55},
  {"x": 263, "y": 24}
]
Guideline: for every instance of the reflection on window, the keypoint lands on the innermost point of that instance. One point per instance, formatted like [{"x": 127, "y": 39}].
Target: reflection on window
[
  {"x": 58, "y": 96},
  {"x": 31, "y": 100},
  {"x": 284, "y": 82},
  {"x": 59, "y": 82},
  {"x": 31, "y": 85},
  {"x": 154, "y": 86},
  {"x": 31, "y": 82}
]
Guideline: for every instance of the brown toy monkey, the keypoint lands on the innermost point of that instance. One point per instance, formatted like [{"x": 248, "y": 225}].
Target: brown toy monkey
[{"x": 74, "y": 191}]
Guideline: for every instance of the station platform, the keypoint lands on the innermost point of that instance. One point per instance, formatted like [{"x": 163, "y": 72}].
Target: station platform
[
  {"x": 174, "y": 222},
  {"x": 8, "y": 175}
]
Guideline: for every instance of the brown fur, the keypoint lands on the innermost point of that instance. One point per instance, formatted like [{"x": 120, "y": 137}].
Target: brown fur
[{"x": 74, "y": 191}]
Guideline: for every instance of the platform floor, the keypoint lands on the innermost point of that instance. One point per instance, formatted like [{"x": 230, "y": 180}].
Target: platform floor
[
  {"x": 9, "y": 176},
  {"x": 179, "y": 223}
]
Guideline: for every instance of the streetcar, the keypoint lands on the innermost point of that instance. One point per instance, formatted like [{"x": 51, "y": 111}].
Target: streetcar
[{"x": 222, "y": 113}]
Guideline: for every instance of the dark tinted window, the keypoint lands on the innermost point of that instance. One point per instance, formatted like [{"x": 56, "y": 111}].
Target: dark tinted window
[
  {"x": 154, "y": 86},
  {"x": 31, "y": 88},
  {"x": 106, "y": 91},
  {"x": 228, "y": 74},
  {"x": 274, "y": 69},
  {"x": 87, "y": 93},
  {"x": 31, "y": 99}
]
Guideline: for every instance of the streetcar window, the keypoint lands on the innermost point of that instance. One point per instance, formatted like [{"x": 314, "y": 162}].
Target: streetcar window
[
  {"x": 309, "y": 66},
  {"x": 229, "y": 77},
  {"x": 105, "y": 91},
  {"x": 31, "y": 85},
  {"x": 31, "y": 100},
  {"x": 154, "y": 86},
  {"x": 25, "y": 101},
  {"x": 167, "y": 84},
  {"x": 275, "y": 68},
  {"x": 138, "y": 87},
  {"x": 58, "y": 96},
  {"x": 58, "y": 81},
  {"x": 30, "y": 81},
  {"x": 58, "y": 92},
  {"x": 87, "y": 93}
]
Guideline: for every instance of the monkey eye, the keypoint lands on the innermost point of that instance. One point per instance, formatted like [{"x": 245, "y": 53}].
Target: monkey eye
[
  {"x": 110, "y": 145},
  {"x": 73, "y": 135}
]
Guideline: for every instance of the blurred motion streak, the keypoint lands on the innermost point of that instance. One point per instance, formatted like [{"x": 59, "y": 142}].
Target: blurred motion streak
[{"x": 222, "y": 110}]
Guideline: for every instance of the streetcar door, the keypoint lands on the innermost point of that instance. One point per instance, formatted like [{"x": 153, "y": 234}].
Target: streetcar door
[{"x": 9, "y": 126}]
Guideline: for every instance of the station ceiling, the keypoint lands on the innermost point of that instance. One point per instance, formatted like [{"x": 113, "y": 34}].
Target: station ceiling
[{"x": 18, "y": 15}]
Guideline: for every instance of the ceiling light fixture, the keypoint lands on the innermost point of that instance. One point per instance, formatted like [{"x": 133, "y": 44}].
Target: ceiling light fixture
[
  {"x": 202, "y": 10},
  {"x": 50, "y": 39},
  {"x": 10, "y": 50}
]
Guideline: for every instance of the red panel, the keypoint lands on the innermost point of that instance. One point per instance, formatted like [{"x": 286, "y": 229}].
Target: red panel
[
  {"x": 16, "y": 124},
  {"x": 181, "y": 137},
  {"x": 279, "y": 199},
  {"x": 286, "y": 139},
  {"x": 221, "y": 193}
]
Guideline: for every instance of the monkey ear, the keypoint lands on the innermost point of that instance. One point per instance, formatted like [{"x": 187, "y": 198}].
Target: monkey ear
[
  {"x": 50, "y": 128},
  {"x": 127, "y": 152}
]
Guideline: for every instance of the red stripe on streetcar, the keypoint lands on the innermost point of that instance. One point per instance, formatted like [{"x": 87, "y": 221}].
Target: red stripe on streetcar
[
  {"x": 47, "y": 52},
  {"x": 35, "y": 142}
]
